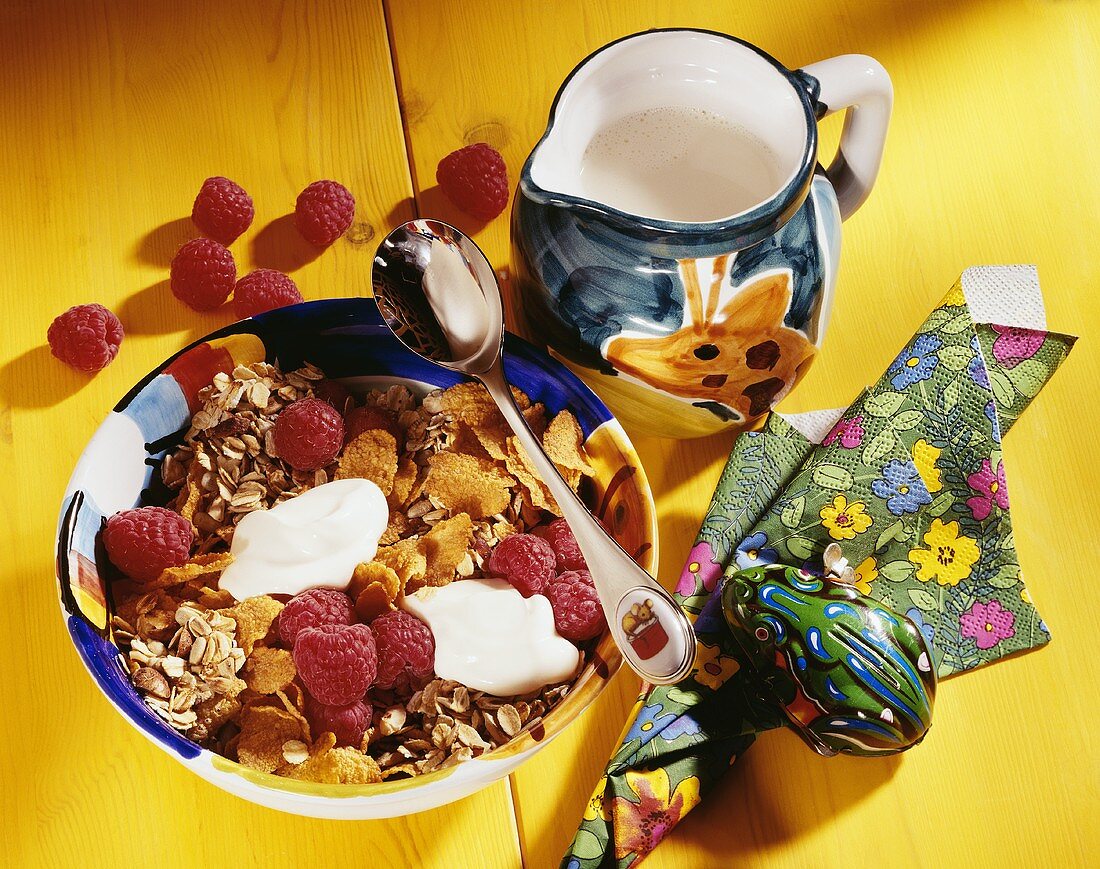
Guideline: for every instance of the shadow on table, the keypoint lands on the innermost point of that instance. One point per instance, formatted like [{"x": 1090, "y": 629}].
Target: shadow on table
[
  {"x": 433, "y": 203},
  {"x": 279, "y": 245},
  {"x": 778, "y": 792},
  {"x": 157, "y": 247},
  {"x": 36, "y": 379},
  {"x": 150, "y": 311},
  {"x": 155, "y": 311}
]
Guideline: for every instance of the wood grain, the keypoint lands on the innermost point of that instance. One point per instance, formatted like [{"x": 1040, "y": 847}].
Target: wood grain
[
  {"x": 990, "y": 160},
  {"x": 114, "y": 113}
]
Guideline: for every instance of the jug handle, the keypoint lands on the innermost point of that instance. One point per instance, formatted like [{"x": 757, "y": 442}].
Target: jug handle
[{"x": 860, "y": 85}]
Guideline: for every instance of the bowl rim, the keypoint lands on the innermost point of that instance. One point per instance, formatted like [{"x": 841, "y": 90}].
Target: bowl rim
[{"x": 362, "y": 309}]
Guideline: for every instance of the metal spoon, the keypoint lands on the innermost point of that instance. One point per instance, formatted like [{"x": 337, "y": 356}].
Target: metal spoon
[{"x": 440, "y": 297}]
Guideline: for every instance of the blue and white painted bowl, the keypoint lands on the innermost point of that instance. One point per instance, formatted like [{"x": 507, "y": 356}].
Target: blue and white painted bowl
[{"x": 347, "y": 339}]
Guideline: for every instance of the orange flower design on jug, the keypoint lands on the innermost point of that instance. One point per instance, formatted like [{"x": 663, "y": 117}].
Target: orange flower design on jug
[{"x": 735, "y": 352}]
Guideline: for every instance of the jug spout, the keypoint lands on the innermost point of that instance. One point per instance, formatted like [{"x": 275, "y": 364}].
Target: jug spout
[{"x": 670, "y": 79}]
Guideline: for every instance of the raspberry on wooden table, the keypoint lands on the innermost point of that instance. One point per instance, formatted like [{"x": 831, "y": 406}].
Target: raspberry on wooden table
[
  {"x": 347, "y": 723},
  {"x": 144, "y": 541},
  {"x": 86, "y": 337},
  {"x": 309, "y": 434},
  {"x": 203, "y": 274},
  {"x": 560, "y": 537},
  {"x": 578, "y": 615},
  {"x": 475, "y": 179},
  {"x": 324, "y": 212},
  {"x": 317, "y": 606},
  {"x": 264, "y": 290},
  {"x": 406, "y": 651},
  {"x": 526, "y": 561},
  {"x": 337, "y": 663},
  {"x": 222, "y": 210}
]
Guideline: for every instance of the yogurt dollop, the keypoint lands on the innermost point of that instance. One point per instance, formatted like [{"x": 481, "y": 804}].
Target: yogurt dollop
[
  {"x": 491, "y": 638},
  {"x": 313, "y": 540}
]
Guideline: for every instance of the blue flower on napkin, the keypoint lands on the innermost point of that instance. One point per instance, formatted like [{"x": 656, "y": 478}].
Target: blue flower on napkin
[
  {"x": 901, "y": 487},
  {"x": 685, "y": 725},
  {"x": 751, "y": 552},
  {"x": 914, "y": 615},
  {"x": 648, "y": 719},
  {"x": 995, "y": 426},
  {"x": 916, "y": 362},
  {"x": 976, "y": 367}
]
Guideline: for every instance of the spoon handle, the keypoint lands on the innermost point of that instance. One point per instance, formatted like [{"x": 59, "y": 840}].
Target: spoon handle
[{"x": 648, "y": 626}]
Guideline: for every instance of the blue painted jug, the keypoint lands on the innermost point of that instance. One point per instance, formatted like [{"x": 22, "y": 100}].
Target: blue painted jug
[{"x": 689, "y": 325}]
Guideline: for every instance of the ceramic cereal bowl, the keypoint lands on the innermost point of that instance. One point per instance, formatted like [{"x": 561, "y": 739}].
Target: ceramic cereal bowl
[{"x": 348, "y": 340}]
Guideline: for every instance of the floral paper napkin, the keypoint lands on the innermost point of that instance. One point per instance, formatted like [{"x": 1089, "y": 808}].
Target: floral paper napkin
[{"x": 910, "y": 481}]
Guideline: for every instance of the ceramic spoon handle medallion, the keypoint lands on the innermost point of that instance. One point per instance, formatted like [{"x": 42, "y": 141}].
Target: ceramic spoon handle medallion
[{"x": 649, "y": 627}]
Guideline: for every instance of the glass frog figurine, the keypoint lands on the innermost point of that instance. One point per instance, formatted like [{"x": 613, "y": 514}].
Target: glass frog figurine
[{"x": 852, "y": 676}]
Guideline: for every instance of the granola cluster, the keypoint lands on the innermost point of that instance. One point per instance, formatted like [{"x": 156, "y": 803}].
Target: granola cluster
[{"x": 456, "y": 483}]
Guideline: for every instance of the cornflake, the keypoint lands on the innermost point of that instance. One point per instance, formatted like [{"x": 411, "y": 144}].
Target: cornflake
[
  {"x": 374, "y": 588},
  {"x": 264, "y": 730},
  {"x": 253, "y": 617},
  {"x": 372, "y": 456},
  {"x": 466, "y": 484},
  {"x": 268, "y": 670}
]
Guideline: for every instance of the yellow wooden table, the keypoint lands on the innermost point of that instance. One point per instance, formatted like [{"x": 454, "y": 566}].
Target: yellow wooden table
[{"x": 113, "y": 113}]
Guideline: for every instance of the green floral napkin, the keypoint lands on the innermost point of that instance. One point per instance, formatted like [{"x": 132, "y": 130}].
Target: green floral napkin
[{"x": 910, "y": 481}]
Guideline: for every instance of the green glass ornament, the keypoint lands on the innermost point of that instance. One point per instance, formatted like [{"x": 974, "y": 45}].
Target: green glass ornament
[{"x": 852, "y": 676}]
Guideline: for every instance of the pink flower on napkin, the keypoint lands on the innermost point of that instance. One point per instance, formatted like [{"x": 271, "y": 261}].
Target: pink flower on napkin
[
  {"x": 700, "y": 573},
  {"x": 1013, "y": 344},
  {"x": 990, "y": 487},
  {"x": 848, "y": 431},
  {"x": 639, "y": 826},
  {"x": 987, "y": 624}
]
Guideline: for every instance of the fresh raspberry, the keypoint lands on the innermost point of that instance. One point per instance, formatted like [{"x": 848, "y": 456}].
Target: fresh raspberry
[
  {"x": 324, "y": 212},
  {"x": 222, "y": 210},
  {"x": 361, "y": 419},
  {"x": 347, "y": 723},
  {"x": 318, "y": 606},
  {"x": 86, "y": 337},
  {"x": 336, "y": 394},
  {"x": 560, "y": 537},
  {"x": 475, "y": 179},
  {"x": 526, "y": 561},
  {"x": 406, "y": 651},
  {"x": 263, "y": 290},
  {"x": 203, "y": 274},
  {"x": 578, "y": 615},
  {"x": 309, "y": 434},
  {"x": 337, "y": 663},
  {"x": 143, "y": 542}
]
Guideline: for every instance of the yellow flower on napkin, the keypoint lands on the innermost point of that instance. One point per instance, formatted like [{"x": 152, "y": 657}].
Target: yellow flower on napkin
[
  {"x": 712, "y": 668},
  {"x": 597, "y": 805},
  {"x": 950, "y": 556},
  {"x": 844, "y": 521},
  {"x": 955, "y": 296},
  {"x": 924, "y": 457},
  {"x": 866, "y": 573}
]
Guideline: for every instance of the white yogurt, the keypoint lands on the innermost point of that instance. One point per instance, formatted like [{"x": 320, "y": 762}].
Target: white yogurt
[
  {"x": 489, "y": 637},
  {"x": 313, "y": 540}
]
